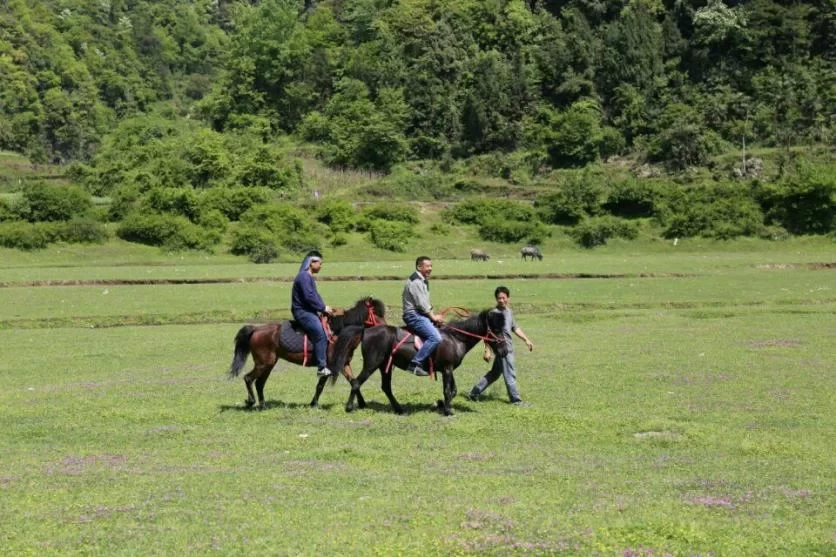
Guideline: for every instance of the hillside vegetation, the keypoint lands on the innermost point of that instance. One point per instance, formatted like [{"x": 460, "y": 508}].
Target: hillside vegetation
[{"x": 256, "y": 127}]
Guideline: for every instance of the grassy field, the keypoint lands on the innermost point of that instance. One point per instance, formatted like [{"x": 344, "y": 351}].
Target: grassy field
[{"x": 681, "y": 403}]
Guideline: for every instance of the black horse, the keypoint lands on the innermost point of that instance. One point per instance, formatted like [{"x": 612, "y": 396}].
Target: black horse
[
  {"x": 386, "y": 346},
  {"x": 273, "y": 341}
]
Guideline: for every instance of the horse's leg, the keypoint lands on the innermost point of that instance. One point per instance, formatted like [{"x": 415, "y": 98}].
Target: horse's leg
[
  {"x": 453, "y": 389},
  {"x": 448, "y": 397},
  {"x": 259, "y": 384},
  {"x": 386, "y": 385},
  {"x": 355, "y": 389},
  {"x": 320, "y": 385},
  {"x": 361, "y": 402},
  {"x": 248, "y": 382}
]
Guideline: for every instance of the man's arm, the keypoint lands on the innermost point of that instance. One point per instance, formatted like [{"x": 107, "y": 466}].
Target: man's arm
[
  {"x": 312, "y": 296},
  {"x": 421, "y": 299},
  {"x": 519, "y": 332}
]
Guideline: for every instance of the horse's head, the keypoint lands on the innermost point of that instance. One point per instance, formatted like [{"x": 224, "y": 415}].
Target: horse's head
[
  {"x": 367, "y": 311},
  {"x": 495, "y": 323}
]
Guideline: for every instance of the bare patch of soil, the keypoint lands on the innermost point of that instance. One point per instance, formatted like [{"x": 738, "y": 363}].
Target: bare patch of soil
[
  {"x": 776, "y": 343},
  {"x": 74, "y": 465},
  {"x": 811, "y": 266}
]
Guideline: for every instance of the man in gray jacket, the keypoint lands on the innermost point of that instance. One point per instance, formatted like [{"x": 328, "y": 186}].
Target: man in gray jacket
[{"x": 418, "y": 314}]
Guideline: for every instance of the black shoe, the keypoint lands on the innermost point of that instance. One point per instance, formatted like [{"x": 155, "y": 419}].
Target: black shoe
[
  {"x": 417, "y": 369},
  {"x": 472, "y": 397}
]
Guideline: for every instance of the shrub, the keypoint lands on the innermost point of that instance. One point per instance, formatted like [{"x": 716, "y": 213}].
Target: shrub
[
  {"x": 292, "y": 227},
  {"x": 48, "y": 203},
  {"x": 597, "y": 230},
  {"x": 712, "y": 211},
  {"x": 632, "y": 199},
  {"x": 388, "y": 235},
  {"x": 25, "y": 236},
  {"x": 683, "y": 139},
  {"x": 338, "y": 214},
  {"x": 213, "y": 219},
  {"x": 267, "y": 168},
  {"x": 774, "y": 233},
  {"x": 7, "y": 212},
  {"x": 233, "y": 202},
  {"x": 123, "y": 202},
  {"x": 338, "y": 239},
  {"x": 575, "y": 199},
  {"x": 394, "y": 212},
  {"x": 169, "y": 231},
  {"x": 82, "y": 231},
  {"x": 803, "y": 204},
  {"x": 256, "y": 243},
  {"x": 506, "y": 231},
  {"x": 264, "y": 254},
  {"x": 481, "y": 211},
  {"x": 175, "y": 201}
]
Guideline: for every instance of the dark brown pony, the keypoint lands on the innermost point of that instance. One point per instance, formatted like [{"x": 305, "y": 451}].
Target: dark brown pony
[
  {"x": 265, "y": 344},
  {"x": 385, "y": 346}
]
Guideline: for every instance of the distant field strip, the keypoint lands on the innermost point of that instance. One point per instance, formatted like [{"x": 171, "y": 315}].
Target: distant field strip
[
  {"x": 560, "y": 312},
  {"x": 344, "y": 278}
]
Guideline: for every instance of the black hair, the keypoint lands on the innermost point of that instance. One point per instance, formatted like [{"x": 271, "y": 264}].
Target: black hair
[
  {"x": 314, "y": 253},
  {"x": 501, "y": 290},
  {"x": 421, "y": 260}
]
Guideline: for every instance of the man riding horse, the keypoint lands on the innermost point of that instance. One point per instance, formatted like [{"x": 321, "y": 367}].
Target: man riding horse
[
  {"x": 306, "y": 304},
  {"x": 418, "y": 314}
]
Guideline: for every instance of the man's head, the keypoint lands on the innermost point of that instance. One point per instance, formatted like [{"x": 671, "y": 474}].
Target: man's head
[
  {"x": 502, "y": 294},
  {"x": 314, "y": 261},
  {"x": 424, "y": 265}
]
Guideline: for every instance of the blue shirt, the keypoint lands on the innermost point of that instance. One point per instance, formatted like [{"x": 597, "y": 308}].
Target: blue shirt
[{"x": 304, "y": 295}]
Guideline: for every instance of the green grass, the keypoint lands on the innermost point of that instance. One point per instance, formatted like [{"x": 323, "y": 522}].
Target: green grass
[
  {"x": 15, "y": 169},
  {"x": 671, "y": 415}
]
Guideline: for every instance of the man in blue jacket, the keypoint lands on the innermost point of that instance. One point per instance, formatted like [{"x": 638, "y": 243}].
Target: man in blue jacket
[{"x": 306, "y": 305}]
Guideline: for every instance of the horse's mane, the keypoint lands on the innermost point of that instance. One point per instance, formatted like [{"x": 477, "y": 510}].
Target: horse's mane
[
  {"x": 357, "y": 314},
  {"x": 472, "y": 324}
]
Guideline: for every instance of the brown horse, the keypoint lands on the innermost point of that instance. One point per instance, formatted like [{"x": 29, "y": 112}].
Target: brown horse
[{"x": 271, "y": 341}]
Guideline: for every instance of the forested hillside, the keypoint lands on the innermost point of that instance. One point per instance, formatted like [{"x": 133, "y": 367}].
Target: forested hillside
[
  {"x": 141, "y": 95},
  {"x": 380, "y": 81}
]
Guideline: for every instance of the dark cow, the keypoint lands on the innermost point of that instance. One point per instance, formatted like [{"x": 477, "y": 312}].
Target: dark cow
[
  {"x": 478, "y": 255},
  {"x": 532, "y": 252}
]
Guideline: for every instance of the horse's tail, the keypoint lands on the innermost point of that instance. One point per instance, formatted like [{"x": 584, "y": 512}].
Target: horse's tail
[
  {"x": 242, "y": 350},
  {"x": 347, "y": 342}
]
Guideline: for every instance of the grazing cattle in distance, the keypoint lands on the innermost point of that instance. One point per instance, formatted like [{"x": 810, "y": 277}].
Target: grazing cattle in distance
[
  {"x": 532, "y": 252},
  {"x": 478, "y": 255}
]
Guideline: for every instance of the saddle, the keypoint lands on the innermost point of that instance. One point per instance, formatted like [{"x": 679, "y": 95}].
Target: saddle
[
  {"x": 294, "y": 339},
  {"x": 292, "y": 336},
  {"x": 415, "y": 338}
]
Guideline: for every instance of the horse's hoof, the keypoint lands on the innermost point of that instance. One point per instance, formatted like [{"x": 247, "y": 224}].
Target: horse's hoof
[
  {"x": 314, "y": 405},
  {"x": 349, "y": 408},
  {"x": 249, "y": 403},
  {"x": 439, "y": 404}
]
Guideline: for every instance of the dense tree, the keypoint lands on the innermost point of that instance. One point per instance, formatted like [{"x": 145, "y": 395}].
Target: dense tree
[{"x": 377, "y": 82}]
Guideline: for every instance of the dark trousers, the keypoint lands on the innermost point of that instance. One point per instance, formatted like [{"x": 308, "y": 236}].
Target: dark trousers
[{"x": 313, "y": 328}]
